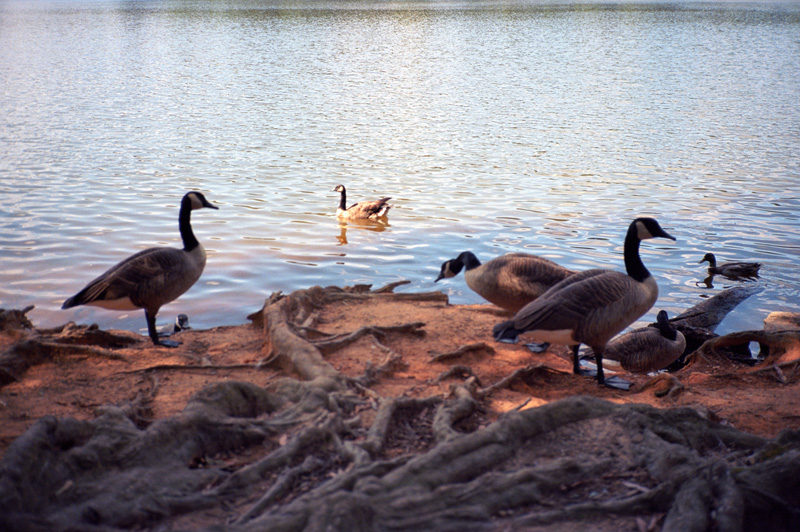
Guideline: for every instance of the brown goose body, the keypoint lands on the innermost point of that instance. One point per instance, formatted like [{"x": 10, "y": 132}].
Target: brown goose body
[
  {"x": 150, "y": 278},
  {"x": 363, "y": 210},
  {"x": 649, "y": 348},
  {"x": 592, "y": 306},
  {"x": 510, "y": 281}
]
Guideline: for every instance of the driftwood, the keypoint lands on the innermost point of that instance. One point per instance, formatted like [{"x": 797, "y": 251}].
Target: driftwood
[
  {"x": 698, "y": 323},
  {"x": 314, "y": 464},
  {"x": 710, "y": 312}
]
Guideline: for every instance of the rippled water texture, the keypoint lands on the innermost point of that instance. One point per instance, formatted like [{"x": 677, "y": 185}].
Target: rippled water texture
[{"x": 495, "y": 127}]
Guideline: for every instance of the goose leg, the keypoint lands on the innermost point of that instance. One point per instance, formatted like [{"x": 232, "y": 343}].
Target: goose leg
[
  {"x": 153, "y": 333},
  {"x": 576, "y": 360},
  {"x": 598, "y": 358},
  {"x": 613, "y": 381}
]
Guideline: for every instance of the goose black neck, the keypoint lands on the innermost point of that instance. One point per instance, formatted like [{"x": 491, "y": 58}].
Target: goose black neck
[
  {"x": 667, "y": 331},
  {"x": 633, "y": 262},
  {"x": 184, "y": 223},
  {"x": 469, "y": 260},
  {"x": 343, "y": 200}
]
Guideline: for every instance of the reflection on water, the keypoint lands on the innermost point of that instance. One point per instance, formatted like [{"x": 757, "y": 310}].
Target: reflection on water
[
  {"x": 542, "y": 128},
  {"x": 360, "y": 225}
]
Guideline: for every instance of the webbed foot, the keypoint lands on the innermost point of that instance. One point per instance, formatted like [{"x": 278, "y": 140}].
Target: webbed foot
[
  {"x": 537, "y": 347},
  {"x": 168, "y": 343},
  {"x": 617, "y": 383}
]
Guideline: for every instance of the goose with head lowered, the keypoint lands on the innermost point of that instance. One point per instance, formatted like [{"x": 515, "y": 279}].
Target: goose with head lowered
[
  {"x": 592, "y": 306},
  {"x": 648, "y": 348},
  {"x": 153, "y": 277},
  {"x": 732, "y": 270},
  {"x": 510, "y": 281},
  {"x": 364, "y": 210}
]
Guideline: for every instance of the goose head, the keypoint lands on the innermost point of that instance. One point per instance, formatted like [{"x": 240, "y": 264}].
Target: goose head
[
  {"x": 662, "y": 319},
  {"x": 453, "y": 267},
  {"x": 338, "y": 188},
  {"x": 198, "y": 201},
  {"x": 649, "y": 228},
  {"x": 450, "y": 268}
]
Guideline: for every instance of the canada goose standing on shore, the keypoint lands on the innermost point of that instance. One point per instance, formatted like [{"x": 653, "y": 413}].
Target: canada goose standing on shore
[
  {"x": 649, "y": 348},
  {"x": 592, "y": 306},
  {"x": 152, "y": 277},
  {"x": 363, "y": 210},
  {"x": 510, "y": 281},
  {"x": 730, "y": 269}
]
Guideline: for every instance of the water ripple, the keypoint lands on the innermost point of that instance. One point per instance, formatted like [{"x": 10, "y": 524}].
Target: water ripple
[{"x": 535, "y": 127}]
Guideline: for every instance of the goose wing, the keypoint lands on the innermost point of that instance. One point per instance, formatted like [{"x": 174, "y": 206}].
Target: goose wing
[
  {"x": 530, "y": 268},
  {"x": 584, "y": 297},
  {"x": 516, "y": 279},
  {"x": 367, "y": 209},
  {"x": 138, "y": 278},
  {"x": 644, "y": 350}
]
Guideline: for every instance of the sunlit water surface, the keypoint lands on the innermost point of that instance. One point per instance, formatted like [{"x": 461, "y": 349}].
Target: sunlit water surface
[{"x": 495, "y": 127}]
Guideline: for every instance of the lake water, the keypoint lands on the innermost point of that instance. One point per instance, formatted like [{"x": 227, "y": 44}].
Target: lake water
[{"x": 543, "y": 127}]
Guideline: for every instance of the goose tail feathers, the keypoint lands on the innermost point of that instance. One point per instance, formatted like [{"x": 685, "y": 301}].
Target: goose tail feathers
[{"x": 506, "y": 332}]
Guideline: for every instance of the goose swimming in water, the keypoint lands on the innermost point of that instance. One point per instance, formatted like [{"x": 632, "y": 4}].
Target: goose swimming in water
[
  {"x": 730, "y": 269},
  {"x": 153, "y": 277},
  {"x": 649, "y": 348},
  {"x": 592, "y": 306},
  {"x": 363, "y": 210},
  {"x": 510, "y": 281}
]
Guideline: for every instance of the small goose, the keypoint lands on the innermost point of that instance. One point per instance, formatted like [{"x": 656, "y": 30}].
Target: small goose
[
  {"x": 732, "y": 270},
  {"x": 510, "y": 281},
  {"x": 592, "y": 306},
  {"x": 649, "y": 348},
  {"x": 363, "y": 210},
  {"x": 153, "y": 277}
]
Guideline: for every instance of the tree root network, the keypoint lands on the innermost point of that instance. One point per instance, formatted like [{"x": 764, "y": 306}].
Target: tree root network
[{"x": 315, "y": 465}]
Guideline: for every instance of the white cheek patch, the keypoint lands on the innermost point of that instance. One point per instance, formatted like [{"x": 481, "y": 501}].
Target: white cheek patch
[
  {"x": 196, "y": 203},
  {"x": 642, "y": 232}
]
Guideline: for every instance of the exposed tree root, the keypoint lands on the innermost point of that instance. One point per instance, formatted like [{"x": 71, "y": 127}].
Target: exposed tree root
[
  {"x": 664, "y": 385},
  {"x": 317, "y": 465},
  {"x": 479, "y": 346},
  {"x": 458, "y": 371},
  {"x": 193, "y": 367},
  {"x": 391, "y": 363},
  {"x": 15, "y": 320},
  {"x": 522, "y": 374},
  {"x": 35, "y": 347},
  {"x": 773, "y": 341},
  {"x": 341, "y": 341}
]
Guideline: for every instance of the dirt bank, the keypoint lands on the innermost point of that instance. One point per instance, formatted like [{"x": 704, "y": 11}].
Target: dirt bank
[{"x": 335, "y": 407}]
